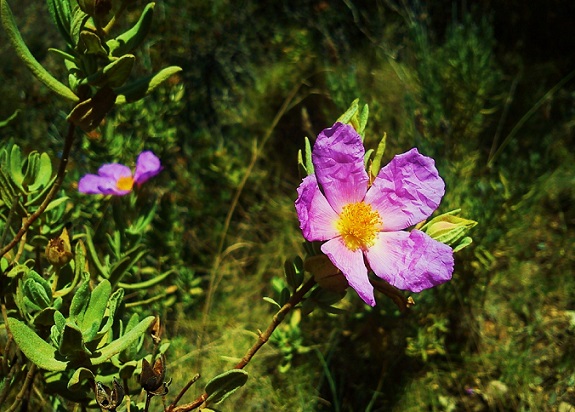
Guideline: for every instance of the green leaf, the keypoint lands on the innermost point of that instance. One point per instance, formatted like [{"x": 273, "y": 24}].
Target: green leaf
[
  {"x": 147, "y": 283},
  {"x": 23, "y": 52},
  {"x": 36, "y": 293},
  {"x": 114, "y": 74},
  {"x": 131, "y": 39},
  {"x": 4, "y": 123},
  {"x": 80, "y": 300},
  {"x": 40, "y": 352},
  {"x": 144, "y": 86},
  {"x": 95, "y": 310},
  {"x": 122, "y": 343},
  {"x": 113, "y": 304},
  {"x": 222, "y": 386},
  {"x": 61, "y": 14},
  {"x": 71, "y": 342},
  {"x": 272, "y": 301},
  {"x": 80, "y": 376}
]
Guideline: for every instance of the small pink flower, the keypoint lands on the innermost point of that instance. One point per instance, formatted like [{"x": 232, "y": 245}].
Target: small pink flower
[
  {"x": 362, "y": 225},
  {"x": 117, "y": 179}
]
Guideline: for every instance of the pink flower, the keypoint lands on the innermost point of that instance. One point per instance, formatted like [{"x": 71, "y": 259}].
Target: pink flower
[
  {"x": 362, "y": 225},
  {"x": 117, "y": 179}
]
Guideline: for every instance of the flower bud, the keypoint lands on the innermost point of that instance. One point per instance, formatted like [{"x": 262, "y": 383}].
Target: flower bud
[
  {"x": 95, "y": 8},
  {"x": 448, "y": 228},
  {"x": 325, "y": 273},
  {"x": 58, "y": 250}
]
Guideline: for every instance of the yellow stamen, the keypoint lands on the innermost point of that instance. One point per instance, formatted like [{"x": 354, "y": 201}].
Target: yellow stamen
[
  {"x": 358, "y": 225},
  {"x": 125, "y": 183}
]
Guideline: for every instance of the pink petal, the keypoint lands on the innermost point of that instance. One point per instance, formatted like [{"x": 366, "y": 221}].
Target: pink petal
[
  {"x": 147, "y": 166},
  {"x": 114, "y": 170},
  {"x": 406, "y": 191},
  {"x": 317, "y": 218},
  {"x": 338, "y": 161},
  {"x": 410, "y": 260},
  {"x": 352, "y": 266},
  {"x": 99, "y": 185}
]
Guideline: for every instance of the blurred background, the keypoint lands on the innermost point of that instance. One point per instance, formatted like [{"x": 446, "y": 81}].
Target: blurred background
[{"x": 485, "y": 87}]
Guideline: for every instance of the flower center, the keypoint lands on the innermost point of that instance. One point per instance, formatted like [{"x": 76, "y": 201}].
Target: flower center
[
  {"x": 358, "y": 225},
  {"x": 125, "y": 183}
]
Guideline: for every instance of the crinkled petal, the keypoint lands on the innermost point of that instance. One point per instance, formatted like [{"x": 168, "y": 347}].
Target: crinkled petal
[
  {"x": 147, "y": 166},
  {"x": 338, "y": 162},
  {"x": 352, "y": 266},
  {"x": 316, "y": 217},
  {"x": 406, "y": 191},
  {"x": 410, "y": 260},
  {"x": 99, "y": 185},
  {"x": 114, "y": 170}
]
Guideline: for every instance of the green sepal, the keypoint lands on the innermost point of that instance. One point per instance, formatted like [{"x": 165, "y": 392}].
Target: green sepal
[
  {"x": 356, "y": 118},
  {"x": 222, "y": 386},
  {"x": 131, "y": 39},
  {"x": 23, "y": 52},
  {"x": 40, "y": 352},
  {"x": 123, "y": 342},
  {"x": 376, "y": 162},
  {"x": 349, "y": 113},
  {"x": 144, "y": 86}
]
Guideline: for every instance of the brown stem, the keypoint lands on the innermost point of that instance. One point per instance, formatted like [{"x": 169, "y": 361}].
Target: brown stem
[
  {"x": 55, "y": 188},
  {"x": 25, "y": 387},
  {"x": 263, "y": 337}
]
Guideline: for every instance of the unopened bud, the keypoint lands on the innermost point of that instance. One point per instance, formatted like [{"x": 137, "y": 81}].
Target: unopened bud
[
  {"x": 325, "y": 273},
  {"x": 95, "y": 8},
  {"x": 58, "y": 250}
]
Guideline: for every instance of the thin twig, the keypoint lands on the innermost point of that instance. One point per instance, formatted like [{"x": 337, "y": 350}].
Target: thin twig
[
  {"x": 184, "y": 390},
  {"x": 25, "y": 386},
  {"x": 263, "y": 337},
  {"x": 55, "y": 188}
]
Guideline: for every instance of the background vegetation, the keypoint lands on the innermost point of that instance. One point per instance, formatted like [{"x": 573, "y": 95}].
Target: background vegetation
[{"x": 486, "y": 90}]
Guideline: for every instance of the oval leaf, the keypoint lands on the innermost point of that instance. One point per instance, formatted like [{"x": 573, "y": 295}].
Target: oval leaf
[
  {"x": 40, "y": 352},
  {"x": 222, "y": 386}
]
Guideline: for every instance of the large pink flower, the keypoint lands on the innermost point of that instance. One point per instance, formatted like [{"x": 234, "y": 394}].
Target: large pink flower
[
  {"x": 362, "y": 225},
  {"x": 117, "y": 179}
]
